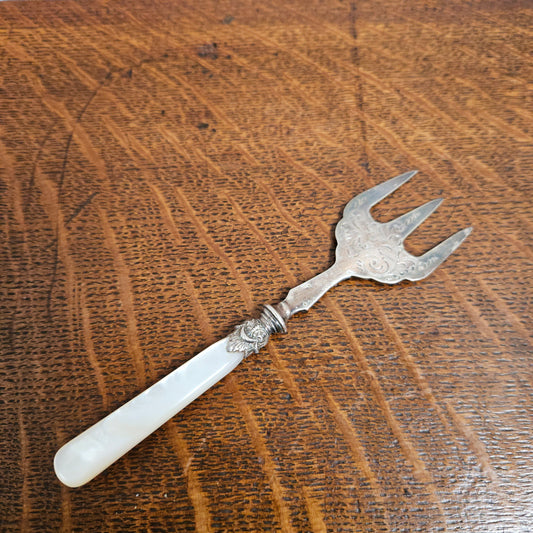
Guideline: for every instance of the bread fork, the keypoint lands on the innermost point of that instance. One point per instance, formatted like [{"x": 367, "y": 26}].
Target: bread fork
[{"x": 365, "y": 249}]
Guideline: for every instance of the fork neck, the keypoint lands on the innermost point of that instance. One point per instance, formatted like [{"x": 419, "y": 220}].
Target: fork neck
[{"x": 304, "y": 296}]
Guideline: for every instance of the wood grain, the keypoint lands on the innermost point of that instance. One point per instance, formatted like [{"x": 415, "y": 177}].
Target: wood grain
[{"x": 166, "y": 167}]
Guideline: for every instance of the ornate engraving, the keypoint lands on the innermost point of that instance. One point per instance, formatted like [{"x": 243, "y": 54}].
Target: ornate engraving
[{"x": 373, "y": 250}]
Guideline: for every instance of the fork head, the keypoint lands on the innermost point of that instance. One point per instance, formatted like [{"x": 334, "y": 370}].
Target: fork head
[{"x": 374, "y": 250}]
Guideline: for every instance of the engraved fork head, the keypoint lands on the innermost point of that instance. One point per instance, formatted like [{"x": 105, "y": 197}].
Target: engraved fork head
[{"x": 374, "y": 250}]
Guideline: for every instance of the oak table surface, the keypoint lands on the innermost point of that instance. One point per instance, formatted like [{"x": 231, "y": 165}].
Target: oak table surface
[{"x": 167, "y": 167}]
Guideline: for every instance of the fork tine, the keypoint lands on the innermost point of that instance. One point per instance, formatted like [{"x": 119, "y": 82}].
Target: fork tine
[
  {"x": 428, "y": 262},
  {"x": 376, "y": 194},
  {"x": 407, "y": 223}
]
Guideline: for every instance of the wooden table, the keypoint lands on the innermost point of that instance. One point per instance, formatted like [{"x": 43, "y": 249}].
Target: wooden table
[{"x": 166, "y": 167}]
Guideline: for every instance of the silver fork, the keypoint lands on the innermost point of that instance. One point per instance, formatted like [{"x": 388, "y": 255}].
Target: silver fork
[{"x": 365, "y": 249}]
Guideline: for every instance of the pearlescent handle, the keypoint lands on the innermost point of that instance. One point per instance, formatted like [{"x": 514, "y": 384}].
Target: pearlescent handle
[{"x": 91, "y": 452}]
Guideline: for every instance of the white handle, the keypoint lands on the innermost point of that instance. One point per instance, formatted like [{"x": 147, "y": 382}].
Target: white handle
[{"x": 91, "y": 452}]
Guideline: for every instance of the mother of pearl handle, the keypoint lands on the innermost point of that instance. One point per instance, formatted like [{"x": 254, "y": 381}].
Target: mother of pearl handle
[{"x": 91, "y": 452}]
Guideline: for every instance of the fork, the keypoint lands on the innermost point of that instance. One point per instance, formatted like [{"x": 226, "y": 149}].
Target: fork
[{"x": 365, "y": 249}]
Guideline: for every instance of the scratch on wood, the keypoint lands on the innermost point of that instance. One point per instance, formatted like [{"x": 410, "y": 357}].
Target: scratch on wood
[
  {"x": 409, "y": 451},
  {"x": 201, "y": 316},
  {"x": 357, "y": 452},
  {"x": 198, "y": 497},
  {"x": 314, "y": 512},
  {"x": 81, "y": 207},
  {"x": 476, "y": 445},
  {"x": 259, "y": 445},
  {"x": 204, "y": 234},
  {"x": 166, "y": 213},
  {"x": 25, "y": 467},
  {"x": 126, "y": 297},
  {"x": 66, "y": 509},
  {"x": 89, "y": 346}
]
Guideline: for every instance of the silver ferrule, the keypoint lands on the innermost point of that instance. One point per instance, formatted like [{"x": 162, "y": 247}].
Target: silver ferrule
[{"x": 250, "y": 336}]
